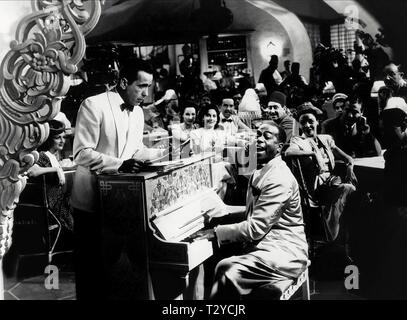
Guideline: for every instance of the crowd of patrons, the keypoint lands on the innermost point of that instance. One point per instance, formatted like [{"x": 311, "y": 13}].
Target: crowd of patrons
[
  {"x": 352, "y": 117},
  {"x": 363, "y": 118}
]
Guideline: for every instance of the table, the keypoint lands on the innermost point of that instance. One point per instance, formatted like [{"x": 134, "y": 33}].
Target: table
[
  {"x": 370, "y": 173},
  {"x": 374, "y": 163}
]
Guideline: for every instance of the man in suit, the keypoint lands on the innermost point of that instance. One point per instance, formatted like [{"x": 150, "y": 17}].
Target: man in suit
[
  {"x": 276, "y": 110},
  {"x": 351, "y": 132},
  {"x": 274, "y": 246},
  {"x": 393, "y": 79},
  {"x": 108, "y": 138},
  {"x": 229, "y": 121}
]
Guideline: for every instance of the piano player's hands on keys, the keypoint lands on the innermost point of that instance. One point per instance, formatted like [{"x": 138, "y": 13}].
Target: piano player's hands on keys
[
  {"x": 132, "y": 166},
  {"x": 208, "y": 234}
]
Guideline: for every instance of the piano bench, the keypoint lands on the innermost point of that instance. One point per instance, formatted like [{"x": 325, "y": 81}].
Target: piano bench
[{"x": 283, "y": 290}]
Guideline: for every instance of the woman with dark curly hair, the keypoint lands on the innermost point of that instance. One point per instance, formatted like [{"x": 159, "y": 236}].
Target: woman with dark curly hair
[
  {"x": 210, "y": 138},
  {"x": 183, "y": 130},
  {"x": 48, "y": 162}
]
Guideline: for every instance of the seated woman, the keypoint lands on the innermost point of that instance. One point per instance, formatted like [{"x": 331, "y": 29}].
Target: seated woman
[
  {"x": 181, "y": 131},
  {"x": 48, "y": 162},
  {"x": 330, "y": 191},
  {"x": 210, "y": 138}
]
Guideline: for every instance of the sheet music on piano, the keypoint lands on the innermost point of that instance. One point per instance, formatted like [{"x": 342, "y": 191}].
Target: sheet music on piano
[{"x": 190, "y": 216}]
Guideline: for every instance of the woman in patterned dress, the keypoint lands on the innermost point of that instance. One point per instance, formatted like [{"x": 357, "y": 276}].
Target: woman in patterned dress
[{"x": 49, "y": 162}]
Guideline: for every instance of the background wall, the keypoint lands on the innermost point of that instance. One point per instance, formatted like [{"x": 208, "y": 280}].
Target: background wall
[
  {"x": 285, "y": 30},
  {"x": 269, "y": 38}
]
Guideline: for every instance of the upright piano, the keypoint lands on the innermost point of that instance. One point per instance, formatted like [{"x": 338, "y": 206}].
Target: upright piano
[{"x": 152, "y": 217}]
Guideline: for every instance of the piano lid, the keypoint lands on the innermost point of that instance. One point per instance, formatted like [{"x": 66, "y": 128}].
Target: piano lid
[{"x": 161, "y": 168}]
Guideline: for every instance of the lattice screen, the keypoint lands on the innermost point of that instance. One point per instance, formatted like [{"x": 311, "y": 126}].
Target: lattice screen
[
  {"x": 314, "y": 33},
  {"x": 343, "y": 38}
]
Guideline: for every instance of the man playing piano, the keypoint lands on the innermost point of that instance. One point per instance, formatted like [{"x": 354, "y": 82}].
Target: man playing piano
[{"x": 274, "y": 246}]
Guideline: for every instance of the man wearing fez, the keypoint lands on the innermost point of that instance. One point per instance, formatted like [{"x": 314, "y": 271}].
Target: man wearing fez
[{"x": 276, "y": 110}]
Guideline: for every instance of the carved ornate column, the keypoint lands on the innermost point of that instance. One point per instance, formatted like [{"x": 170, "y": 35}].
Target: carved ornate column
[{"x": 35, "y": 75}]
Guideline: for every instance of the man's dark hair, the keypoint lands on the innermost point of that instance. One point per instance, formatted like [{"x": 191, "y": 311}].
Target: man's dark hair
[
  {"x": 273, "y": 61},
  {"x": 130, "y": 69},
  {"x": 282, "y": 136}
]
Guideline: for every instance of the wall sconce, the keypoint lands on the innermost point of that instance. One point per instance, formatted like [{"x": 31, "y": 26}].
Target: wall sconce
[
  {"x": 269, "y": 47},
  {"x": 271, "y": 44}
]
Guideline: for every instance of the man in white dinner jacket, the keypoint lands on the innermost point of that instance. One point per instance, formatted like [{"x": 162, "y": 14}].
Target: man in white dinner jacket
[{"x": 108, "y": 138}]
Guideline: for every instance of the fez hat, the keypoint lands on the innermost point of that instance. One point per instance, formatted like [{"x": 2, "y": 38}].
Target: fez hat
[{"x": 278, "y": 97}]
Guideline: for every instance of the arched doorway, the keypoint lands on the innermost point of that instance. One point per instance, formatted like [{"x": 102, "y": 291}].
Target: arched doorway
[{"x": 298, "y": 38}]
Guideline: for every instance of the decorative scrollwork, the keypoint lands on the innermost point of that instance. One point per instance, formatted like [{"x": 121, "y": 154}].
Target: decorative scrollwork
[{"x": 49, "y": 43}]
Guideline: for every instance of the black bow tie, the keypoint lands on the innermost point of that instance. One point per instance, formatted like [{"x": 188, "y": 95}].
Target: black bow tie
[
  {"x": 125, "y": 106},
  {"x": 227, "y": 120}
]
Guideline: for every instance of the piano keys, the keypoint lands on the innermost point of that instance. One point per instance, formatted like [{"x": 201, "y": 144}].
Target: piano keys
[{"x": 157, "y": 214}]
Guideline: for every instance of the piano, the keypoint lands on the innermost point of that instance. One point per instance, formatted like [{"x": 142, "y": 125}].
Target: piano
[
  {"x": 155, "y": 214},
  {"x": 160, "y": 140}
]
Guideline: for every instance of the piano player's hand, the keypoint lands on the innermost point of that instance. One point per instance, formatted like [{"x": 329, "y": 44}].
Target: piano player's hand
[{"x": 208, "y": 234}]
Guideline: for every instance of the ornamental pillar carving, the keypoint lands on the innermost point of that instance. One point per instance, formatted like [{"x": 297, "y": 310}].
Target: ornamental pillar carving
[{"x": 46, "y": 49}]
